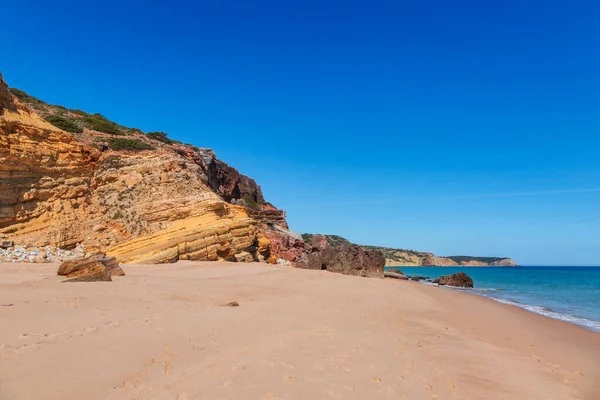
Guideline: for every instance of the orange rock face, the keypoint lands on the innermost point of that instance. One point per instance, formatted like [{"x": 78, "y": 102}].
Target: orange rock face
[{"x": 154, "y": 206}]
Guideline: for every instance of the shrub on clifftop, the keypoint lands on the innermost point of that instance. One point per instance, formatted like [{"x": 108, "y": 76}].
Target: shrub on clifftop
[
  {"x": 25, "y": 98},
  {"x": 64, "y": 123},
  {"x": 128, "y": 144},
  {"x": 98, "y": 123},
  {"x": 160, "y": 136}
]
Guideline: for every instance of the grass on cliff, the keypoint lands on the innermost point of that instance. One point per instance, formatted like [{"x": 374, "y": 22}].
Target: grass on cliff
[
  {"x": 99, "y": 123},
  {"x": 128, "y": 144},
  {"x": 160, "y": 136},
  {"x": 250, "y": 201},
  {"x": 25, "y": 98},
  {"x": 74, "y": 120},
  {"x": 79, "y": 112},
  {"x": 390, "y": 252},
  {"x": 64, "y": 123}
]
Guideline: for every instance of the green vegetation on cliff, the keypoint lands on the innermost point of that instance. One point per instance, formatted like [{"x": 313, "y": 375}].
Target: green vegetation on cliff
[
  {"x": 128, "y": 144},
  {"x": 27, "y": 99},
  {"x": 98, "y": 122},
  {"x": 76, "y": 121},
  {"x": 66, "y": 124},
  {"x": 391, "y": 251},
  {"x": 160, "y": 136}
]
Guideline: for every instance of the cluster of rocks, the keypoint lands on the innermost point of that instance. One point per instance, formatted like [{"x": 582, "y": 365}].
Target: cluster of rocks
[
  {"x": 9, "y": 252},
  {"x": 97, "y": 267},
  {"x": 420, "y": 278},
  {"x": 459, "y": 279}
]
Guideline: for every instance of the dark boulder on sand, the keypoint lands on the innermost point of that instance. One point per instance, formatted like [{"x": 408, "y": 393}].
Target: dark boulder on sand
[{"x": 459, "y": 279}]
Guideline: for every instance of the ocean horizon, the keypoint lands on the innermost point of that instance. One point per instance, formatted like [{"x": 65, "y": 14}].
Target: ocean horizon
[{"x": 567, "y": 293}]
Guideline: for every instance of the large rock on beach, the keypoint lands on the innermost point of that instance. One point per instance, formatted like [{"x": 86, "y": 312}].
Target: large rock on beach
[
  {"x": 395, "y": 275},
  {"x": 459, "y": 279},
  {"x": 344, "y": 259},
  {"x": 97, "y": 267}
]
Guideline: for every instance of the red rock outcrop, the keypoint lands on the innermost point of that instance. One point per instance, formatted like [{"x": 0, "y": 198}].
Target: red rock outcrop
[
  {"x": 6, "y": 99},
  {"x": 345, "y": 259}
]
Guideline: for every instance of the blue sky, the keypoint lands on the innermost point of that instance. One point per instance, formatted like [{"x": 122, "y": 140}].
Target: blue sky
[{"x": 460, "y": 128}]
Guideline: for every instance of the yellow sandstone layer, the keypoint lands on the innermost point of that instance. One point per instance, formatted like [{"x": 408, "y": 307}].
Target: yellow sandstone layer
[{"x": 148, "y": 206}]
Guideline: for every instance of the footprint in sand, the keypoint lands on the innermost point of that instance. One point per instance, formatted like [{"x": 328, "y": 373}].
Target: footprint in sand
[
  {"x": 386, "y": 390},
  {"x": 227, "y": 382}
]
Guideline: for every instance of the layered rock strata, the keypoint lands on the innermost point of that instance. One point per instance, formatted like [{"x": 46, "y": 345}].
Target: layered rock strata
[
  {"x": 161, "y": 205},
  {"x": 96, "y": 267}
]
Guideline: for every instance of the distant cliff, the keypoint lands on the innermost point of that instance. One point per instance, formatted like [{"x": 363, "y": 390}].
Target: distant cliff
[{"x": 404, "y": 257}]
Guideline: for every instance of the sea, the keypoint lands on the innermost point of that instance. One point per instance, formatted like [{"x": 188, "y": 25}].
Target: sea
[{"x": 570, "y": 294}]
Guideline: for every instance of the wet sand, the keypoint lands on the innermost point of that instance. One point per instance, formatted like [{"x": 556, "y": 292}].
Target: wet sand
[{"x": 164, "y": 332}]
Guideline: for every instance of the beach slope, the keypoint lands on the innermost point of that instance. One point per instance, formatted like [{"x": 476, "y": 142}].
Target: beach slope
[{"x": 166, "y": 332}]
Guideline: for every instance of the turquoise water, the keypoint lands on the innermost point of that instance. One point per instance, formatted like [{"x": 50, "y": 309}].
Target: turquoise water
[{"x": 570, "y": 294}]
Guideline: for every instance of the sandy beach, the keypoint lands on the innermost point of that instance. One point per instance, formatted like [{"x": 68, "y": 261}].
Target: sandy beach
[{"x": 165, "y": 332}]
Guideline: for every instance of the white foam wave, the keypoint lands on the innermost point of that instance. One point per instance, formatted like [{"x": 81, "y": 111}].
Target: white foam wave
[
  {"x": 485, "y": 290},
  {"x": 573, "y": 319},
  {"x": 547, "y": 312}
]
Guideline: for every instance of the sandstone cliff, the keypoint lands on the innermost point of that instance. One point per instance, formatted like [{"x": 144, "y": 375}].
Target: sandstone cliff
[{"x": 141, "y": 198}]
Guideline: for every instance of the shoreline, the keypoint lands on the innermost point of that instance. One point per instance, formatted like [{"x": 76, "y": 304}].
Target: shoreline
[
  {"x": 520, "y": 299},
  {"x": 161, "y": 331},
  {"x": 588, "y": 324}
]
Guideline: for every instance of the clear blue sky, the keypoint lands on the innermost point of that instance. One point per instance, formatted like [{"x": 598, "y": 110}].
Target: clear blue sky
[{"x": 461, "y": 128}]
